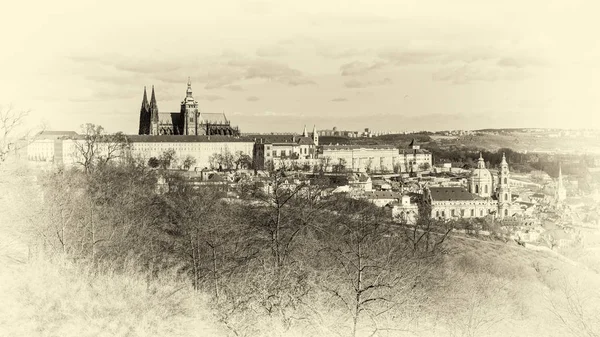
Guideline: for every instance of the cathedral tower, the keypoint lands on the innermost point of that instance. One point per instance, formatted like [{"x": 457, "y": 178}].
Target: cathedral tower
[
  {"x": 315, "y": 136},
  {"x": 144, "y": 116},
  {"x": 189, "y": 113},
  {"x": 503, "y": 193},
  {"x": 153, "y": 114}
]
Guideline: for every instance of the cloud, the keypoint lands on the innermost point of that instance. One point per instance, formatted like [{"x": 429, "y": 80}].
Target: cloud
[
  {"x": 146, "y": 65},
  {"x": 271, "y": 51},
  {"x": 401, "y": 58},
  {"x": 339, "y": 99},
  {"x": 223, "y": 71},
  {"x": 106, "y": 94},
  {"x": 355, "y": 84},
  {"x": 120, "y": 79},
  {"x": 252, "y": 99},
  {"x": 328, "y": 52},
  {"x": 463, "y": 74},
  {"x": 359, "y": 68},
  {"x": 483, "y": 71},
  {"x": 234, "y": 87},
  {"x": 210, "y": 97},
  {"x": 269, "y": 70},
  {"x": 268, "y": 113},
  {"x": 508, "y": 62}
]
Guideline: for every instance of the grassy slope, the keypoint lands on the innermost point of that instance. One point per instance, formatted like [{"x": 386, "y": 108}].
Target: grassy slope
[
  {"x": 520, "y": 288},
  {"x": 45, "y": 296}
]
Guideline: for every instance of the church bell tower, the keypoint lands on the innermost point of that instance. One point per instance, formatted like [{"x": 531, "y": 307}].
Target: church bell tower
[{"x": 503, "y": 193}]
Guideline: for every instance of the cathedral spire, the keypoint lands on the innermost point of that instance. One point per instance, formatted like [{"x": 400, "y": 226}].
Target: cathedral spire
[
  {"x": 144, "y": 127},
  {"x": 188, "y": 92},
  {"x": 305, "y": 133},
  {"x": 145, "y": 100},
  {"x": 153, "y": 107}
]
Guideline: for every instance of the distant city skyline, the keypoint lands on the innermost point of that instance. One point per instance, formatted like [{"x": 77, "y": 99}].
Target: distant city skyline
[{"x": 278, "y": 65}]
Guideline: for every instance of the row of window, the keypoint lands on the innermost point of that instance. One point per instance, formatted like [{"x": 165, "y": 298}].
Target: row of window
[
  {"x": 284, "y": 153},
  {"x": 454, "y": 213}
]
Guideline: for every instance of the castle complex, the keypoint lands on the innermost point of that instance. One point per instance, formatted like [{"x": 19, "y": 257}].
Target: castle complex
[{"x": 188, "y": 121}]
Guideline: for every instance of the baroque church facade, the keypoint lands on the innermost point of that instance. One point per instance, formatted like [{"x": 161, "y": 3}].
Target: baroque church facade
[
  {"x": 485, "y": 195},
  {"x": 188, "y": 121}
]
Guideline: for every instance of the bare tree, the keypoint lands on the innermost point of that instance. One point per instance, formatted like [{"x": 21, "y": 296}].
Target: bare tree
[
  {"x": 368, "y": 262},
  {"x": 10, "y": 121},
  {"x": 576, "y": 308},
  {"x": 97, "y": 147},
  {"x": 428, "y": 235}
]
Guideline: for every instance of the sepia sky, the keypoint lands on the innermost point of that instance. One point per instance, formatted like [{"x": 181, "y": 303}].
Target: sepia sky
[{"x": 278, "y": 65}]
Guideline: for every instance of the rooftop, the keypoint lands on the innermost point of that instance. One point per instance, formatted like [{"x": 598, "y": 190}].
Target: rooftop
[
  {"x": 383, "y": 195},
  {"x": 358, "y": 147},
  {"x": 186, "y": 139},
  {"x": 451, "y": 194},
  {"x": 55, "y": 134}
]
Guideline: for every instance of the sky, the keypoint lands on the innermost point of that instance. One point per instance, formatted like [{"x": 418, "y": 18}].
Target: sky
[{"x": 275, "y": 66}]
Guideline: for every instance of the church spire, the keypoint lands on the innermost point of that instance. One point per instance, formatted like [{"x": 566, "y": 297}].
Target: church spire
[
  {"x": 153, "y": 107},
  {"x": 188, "y": 92},
  {"x": 305, "y": 133},
  {"x": 561, "y": 192},
  {"x": 560, "y": 179},
  {"x": 480, "y": 162},
  {"x": 144, "y": 127},
  {"x": 145, "y": 104}
]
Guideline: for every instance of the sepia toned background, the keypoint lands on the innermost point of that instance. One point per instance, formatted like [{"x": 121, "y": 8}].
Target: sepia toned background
[{"x": 388, "y": 65}]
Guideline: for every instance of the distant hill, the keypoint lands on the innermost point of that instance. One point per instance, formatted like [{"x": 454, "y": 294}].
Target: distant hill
[{"x": 395, "y": 139}]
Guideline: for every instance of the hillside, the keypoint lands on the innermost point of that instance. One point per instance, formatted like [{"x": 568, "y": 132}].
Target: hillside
[
  {"x": 491, "y": 141},
  {"x": 476, "y": 288}
]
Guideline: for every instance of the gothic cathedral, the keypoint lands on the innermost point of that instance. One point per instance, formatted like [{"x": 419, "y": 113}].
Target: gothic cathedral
[{"x": 188, "y": 121}]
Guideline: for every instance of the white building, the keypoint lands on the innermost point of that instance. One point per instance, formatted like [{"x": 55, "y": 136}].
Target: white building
[
  {"x": 200, "y": 148},
  {"x": 361, "y": 158},
  {"x": 415, "y": 159}
]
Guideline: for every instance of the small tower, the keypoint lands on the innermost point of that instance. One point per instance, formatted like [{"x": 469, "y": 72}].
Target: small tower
[
  {"x": 413, "y": 145},
  {"x": 189, "y": 112},
  {"x": 315, "y": 135},
  {"x": 503, "y": 193},
  {"x": 561, "y": 192},
  {"x": 304, "y": 133},
  {"x": 144, "y": 116},
  {"x": 153, "y": 114}
]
